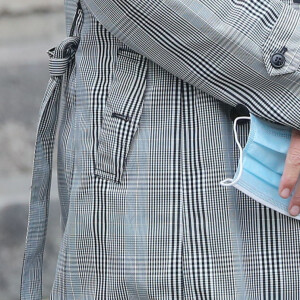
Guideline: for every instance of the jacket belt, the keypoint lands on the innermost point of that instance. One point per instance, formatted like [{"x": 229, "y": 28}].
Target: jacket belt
[{"x": 60, "y": 59}]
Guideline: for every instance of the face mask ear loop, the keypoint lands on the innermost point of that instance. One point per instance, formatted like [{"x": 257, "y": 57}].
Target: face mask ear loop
[{"x": 230, "y": 180}]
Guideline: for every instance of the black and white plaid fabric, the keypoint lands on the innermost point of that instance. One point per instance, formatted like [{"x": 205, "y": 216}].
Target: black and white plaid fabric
[{"x": 145, "y": 137}]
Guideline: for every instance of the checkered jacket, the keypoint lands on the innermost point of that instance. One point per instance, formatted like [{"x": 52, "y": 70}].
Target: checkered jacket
[{"x": 149, "y": 90}]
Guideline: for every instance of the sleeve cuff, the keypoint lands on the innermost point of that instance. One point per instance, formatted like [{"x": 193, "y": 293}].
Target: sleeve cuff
[{"x": 285, "y": 33}]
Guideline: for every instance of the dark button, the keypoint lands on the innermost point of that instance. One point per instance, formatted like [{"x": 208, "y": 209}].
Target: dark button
[
  {"x": 239, "y": 110},
  {"x": 278, "y": 59}
]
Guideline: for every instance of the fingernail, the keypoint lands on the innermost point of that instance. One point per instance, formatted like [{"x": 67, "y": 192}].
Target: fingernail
[
  {"x": 285, "y": 193},
  {"x": 295, "y": 210}
]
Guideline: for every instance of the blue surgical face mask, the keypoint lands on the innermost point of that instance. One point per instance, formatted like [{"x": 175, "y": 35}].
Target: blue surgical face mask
[{"x": 262, "y": 162}]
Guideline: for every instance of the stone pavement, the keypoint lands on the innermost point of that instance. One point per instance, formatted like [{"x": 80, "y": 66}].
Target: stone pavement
[{"x": 29, "y": 6}]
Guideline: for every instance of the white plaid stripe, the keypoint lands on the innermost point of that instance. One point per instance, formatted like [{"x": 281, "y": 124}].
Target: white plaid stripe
[{"x": 165, "y": 229}]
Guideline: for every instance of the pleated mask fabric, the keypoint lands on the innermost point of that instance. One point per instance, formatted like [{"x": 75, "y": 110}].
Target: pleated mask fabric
[{"x": 262, "y": 162}]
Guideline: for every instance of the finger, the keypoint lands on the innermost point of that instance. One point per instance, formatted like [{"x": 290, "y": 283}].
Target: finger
[
  {"x": 294, "y": 206},
  {"x": 292, "y": 166}
]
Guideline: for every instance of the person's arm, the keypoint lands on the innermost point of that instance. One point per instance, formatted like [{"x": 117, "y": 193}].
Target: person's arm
[{"x": 221, "y": 47}]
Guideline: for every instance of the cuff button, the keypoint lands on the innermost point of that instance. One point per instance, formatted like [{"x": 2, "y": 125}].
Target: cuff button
[{"x": 278, "y": 59}]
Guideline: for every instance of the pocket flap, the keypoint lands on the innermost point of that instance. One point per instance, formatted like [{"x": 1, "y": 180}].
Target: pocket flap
[{"x": 121, "y": 114}]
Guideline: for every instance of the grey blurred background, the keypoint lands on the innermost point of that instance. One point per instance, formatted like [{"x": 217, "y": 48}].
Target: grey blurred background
[{"x": 27, "y": 30}]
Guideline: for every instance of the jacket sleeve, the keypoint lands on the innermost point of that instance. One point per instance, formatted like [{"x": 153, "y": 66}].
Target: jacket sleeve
[{"x": 222, "y": 47}]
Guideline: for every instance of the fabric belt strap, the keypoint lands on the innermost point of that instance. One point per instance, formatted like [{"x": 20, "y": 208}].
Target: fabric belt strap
[{"x": 60, "y": 59}]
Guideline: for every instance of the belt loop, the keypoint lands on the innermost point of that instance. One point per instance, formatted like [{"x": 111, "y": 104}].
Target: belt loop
[{"x": 77, "y": 20}]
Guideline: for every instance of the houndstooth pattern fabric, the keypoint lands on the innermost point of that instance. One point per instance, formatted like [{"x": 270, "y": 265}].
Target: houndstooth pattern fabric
[{"x": 145, "y": 137}]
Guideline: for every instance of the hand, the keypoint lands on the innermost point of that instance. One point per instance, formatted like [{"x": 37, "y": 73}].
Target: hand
[{"x": 291, "y": 173}]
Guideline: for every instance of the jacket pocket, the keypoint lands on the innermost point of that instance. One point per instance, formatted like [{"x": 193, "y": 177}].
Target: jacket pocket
[{"x": 121, "y": 114}]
